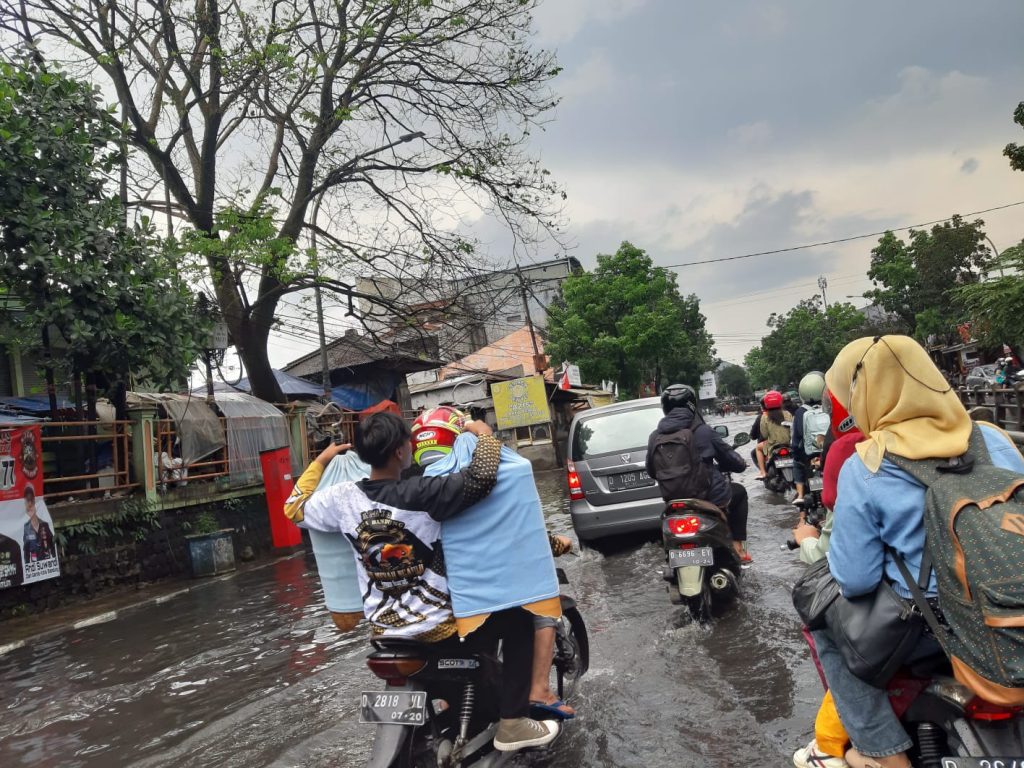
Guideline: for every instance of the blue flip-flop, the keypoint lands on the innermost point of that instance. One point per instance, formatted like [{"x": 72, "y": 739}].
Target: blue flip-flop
[{"x": 541, "y": 711}]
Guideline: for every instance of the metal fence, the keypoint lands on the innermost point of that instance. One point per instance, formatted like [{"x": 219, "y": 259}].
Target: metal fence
[
  {"x": 1004, "y": 403},
  {"x": 171, "y": 471},
  {"x": 86, "y": 460}
]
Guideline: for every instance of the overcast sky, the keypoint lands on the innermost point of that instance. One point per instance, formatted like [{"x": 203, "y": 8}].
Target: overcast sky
[{"x": 701, "y": 130}]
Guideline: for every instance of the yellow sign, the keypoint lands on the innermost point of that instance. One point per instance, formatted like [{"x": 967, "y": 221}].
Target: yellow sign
[{"x": 520, "y": 402}]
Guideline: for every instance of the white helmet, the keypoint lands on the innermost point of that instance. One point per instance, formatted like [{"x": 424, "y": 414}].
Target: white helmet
[{"x": 812, "y": 386}]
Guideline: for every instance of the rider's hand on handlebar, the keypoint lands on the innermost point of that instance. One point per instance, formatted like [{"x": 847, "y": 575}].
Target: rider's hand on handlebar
[{"x": 804, "y": 531}]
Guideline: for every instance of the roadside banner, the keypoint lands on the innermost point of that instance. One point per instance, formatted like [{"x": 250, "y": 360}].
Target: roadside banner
[
  {"x": 708, "y": 388},
  {"x": 520, "y": 402},
  {"x": 28, "y": 551}
]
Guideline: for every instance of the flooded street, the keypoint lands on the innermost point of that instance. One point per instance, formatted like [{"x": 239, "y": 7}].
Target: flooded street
[{"x": 249, "y": 671}]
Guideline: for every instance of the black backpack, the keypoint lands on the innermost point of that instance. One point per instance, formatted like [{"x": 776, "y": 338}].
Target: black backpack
[{"x": 678, "y": 467}]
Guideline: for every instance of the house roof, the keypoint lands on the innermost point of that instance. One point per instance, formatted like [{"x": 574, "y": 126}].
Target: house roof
[
  {"x": 353, "y": 351},
  {"x": 507, "y": 352}
]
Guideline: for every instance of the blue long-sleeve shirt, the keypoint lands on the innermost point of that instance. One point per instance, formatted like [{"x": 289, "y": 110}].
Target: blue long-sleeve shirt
[{"x": 887, "y": 507}]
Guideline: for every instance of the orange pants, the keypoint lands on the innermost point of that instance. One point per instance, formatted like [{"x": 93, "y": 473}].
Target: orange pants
[{"x": 828, "y": 730}]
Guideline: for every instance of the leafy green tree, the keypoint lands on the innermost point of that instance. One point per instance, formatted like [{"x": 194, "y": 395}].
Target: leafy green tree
[
  {"x": 806, "y": 338},
  {"x": 733, "y": 380},
  {"x": 396, "y": 115},
  {"x": 996, "y": 306},
  {"x": 1015, "y": 151},
  {"x": 107, "y": 289},
  {"x": 917, "y": 280},
  {"x": 626, "y": 321}
]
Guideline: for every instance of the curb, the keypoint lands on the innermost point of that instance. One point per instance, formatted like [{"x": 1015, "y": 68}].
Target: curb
[{"x": 108, "y": 616}]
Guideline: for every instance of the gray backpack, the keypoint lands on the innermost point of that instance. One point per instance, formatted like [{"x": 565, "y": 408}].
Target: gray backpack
[{"x": 974, "y": 527}]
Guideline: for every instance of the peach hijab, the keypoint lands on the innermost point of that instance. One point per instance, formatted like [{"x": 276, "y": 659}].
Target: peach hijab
[{"x": 899, "y": 400}]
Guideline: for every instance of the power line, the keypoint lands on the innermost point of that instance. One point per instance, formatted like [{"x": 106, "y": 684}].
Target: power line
[{"x": 838, "y": 241}]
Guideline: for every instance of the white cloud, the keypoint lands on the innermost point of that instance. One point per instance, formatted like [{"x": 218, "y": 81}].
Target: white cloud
[
  {"x": 559, "y": 21},
  {"x": 595, "y": 75},
  {"x": 751, "y": 133}
]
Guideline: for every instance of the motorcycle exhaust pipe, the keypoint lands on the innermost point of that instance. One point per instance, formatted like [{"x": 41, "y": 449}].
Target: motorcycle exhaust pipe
[{"x": 720, "y": 581}]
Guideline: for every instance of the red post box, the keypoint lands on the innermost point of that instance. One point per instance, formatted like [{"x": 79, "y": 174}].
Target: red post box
[{"x": 278, "y": 482}]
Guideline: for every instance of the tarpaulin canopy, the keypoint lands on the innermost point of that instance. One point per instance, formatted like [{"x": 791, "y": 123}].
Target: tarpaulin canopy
[
  {"x": 253, "y": 426},
  {"x": 291, "y": 386},
  {"x": 35, "y": 403},
  {"x": 197, "y": 426}
]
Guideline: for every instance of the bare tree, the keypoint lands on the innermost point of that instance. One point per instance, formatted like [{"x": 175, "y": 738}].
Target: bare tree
[{"x": 399, "y": 116}]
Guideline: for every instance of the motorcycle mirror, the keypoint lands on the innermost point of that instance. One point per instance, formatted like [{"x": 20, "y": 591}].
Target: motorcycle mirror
[
  {"x": 722, "y": 430},
  {"x": 741, "y": 439}
]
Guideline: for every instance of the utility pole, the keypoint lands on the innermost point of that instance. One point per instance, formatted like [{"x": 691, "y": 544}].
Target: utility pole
[
  {"x": 823, "y": 284},
  {"x": 325, "y": 371},
  {"x": 538, "y": 364}
]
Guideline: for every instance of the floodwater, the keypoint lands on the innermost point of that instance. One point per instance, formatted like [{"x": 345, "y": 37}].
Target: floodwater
[{"x": 249, "y": 671}]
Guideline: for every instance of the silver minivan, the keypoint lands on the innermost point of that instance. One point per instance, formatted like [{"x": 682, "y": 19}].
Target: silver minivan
[{"x": 610, "y": 492}]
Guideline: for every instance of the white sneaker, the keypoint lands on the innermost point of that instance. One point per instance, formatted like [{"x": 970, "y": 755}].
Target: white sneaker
[
  {"x": 810, "y": 757},
  {"x": 522, "y": 732}
]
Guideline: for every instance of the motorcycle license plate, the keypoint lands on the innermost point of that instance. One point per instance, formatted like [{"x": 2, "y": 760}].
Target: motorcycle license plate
[
  {"x": 629, "y": 480},
  {"x": 678, "y": 558},
  {"x": 982, "y": 762},
  {"x": 783, "y": 463},
  {"x": 816, "y": 483},
  {"x": 393, "y": 707}
]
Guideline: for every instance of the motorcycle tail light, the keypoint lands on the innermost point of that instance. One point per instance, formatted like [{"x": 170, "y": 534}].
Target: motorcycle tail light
[
  {"x": 395, "y": 671},
  {"x": 575, "y": 487},
  {"x": 979, "y": 709},
  {"x": 784, "y": 452},
  {"x": 684, "y": 526}
]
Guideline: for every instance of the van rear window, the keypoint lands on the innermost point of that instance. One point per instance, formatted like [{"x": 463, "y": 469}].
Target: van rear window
[{"x": 611, "y": 432}]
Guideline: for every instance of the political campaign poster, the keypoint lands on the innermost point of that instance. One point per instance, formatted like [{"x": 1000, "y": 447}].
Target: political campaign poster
[
  {"x": 520, "y": 402},
  {"x": 28, "y": 550}
]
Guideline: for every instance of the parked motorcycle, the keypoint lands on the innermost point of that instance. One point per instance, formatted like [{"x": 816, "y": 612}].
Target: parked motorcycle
[
  {"x": 950, "y": 726},
  {"x": 703, "y": 569},
  {"x": 415, "y": 730}
]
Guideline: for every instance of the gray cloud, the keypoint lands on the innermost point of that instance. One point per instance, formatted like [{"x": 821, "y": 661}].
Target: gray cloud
[{"x": 969, "y": 166}]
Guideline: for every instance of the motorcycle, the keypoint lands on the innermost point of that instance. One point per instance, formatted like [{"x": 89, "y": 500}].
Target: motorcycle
[
  {"x": 814, "y": 483},
  {"x": 439, "y": 709},
  {"x": 779, "y": 470},
  {"x": 950, "y": 726},
  {"x": 703, "y": 570}
]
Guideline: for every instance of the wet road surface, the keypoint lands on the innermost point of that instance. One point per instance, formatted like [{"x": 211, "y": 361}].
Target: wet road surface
[{"x": 249, "y": 671}]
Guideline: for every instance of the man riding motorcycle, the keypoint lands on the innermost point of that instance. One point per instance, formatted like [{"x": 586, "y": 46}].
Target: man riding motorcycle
[
  {"x": 393, "y": 526},
  {"x": 679, "y": 404},
  {"x": 809, "y": 422}
]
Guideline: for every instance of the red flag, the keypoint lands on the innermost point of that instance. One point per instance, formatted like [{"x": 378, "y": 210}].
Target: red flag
[{"x": 563, "y": 383}]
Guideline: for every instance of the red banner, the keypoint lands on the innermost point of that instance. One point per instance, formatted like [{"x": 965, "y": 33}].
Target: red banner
[{"x": 28, "y": 551}]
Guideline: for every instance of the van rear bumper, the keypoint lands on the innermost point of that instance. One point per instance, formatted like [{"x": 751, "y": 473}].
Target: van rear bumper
[{"x": 596, "y": 522}]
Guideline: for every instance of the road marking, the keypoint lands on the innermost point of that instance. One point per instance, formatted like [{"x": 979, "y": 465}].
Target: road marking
[
  {"x": 100, "y": 619},
  {"x": 171, "y": 595}
]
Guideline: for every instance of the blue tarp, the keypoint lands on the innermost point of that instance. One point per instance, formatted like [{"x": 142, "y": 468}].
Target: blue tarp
[
  {"x": 359, "y": 397},
  {"x": 35, "y": 403},
  {"x": 290, "y": 385}
]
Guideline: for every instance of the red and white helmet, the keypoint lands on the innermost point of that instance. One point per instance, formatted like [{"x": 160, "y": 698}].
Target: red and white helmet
[
  {"x": 772, "y": 399},
  {"x": 842, "y": 421},
  {"x": 434, "y": 433}
]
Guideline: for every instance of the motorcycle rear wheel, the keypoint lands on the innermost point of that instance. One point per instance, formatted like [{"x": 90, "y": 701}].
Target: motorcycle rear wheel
[{"x": 572, "y": 654}]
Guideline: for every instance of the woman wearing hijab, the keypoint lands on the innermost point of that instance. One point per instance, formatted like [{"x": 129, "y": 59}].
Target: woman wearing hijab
[{"x": 904, "y": 406}]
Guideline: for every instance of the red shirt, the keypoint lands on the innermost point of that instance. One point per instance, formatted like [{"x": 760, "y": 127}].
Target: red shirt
[{"x": 838, "y": 453}]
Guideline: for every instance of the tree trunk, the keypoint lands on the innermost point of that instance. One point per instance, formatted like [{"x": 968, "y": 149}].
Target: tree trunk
[
  {"x": 51, "y": 385},
  {"x": 251, "y": 343}
]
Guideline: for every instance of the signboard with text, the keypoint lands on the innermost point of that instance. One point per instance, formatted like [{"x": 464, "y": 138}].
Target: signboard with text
[
  {"x": 520, "y": 402},
  {"x": 28, "y": 551},
  {"x": 708, "y": 388}
]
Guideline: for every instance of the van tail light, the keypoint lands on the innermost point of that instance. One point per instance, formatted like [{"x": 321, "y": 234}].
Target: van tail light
[
  {"x": 979, "y": 709},
  {"x": 575, "y": 487},
  {"x": 683, "y": 526},
  {"x": 395, "y": 671}
]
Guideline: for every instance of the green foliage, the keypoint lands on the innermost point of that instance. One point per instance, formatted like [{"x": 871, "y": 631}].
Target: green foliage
[
  {"x": 1016, "y": 151},
  {"x": 66, "y": 254},
  {"x": 626, "y": 321},
  {"x": 917, "y": 280},
  {"x": 996, "y": 306},
  {"x": 203, "y": 523},
  {"x": 734, "y": 380},
  {"x": 132, "y": 521},
  {"x": 804, "y": 339}
]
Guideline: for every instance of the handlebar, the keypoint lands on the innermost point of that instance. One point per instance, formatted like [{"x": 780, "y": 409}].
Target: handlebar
[{"x": 789, "y": 546}]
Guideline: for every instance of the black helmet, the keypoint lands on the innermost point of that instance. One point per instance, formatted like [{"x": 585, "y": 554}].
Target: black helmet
[{"x": 678, "y": 396}]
